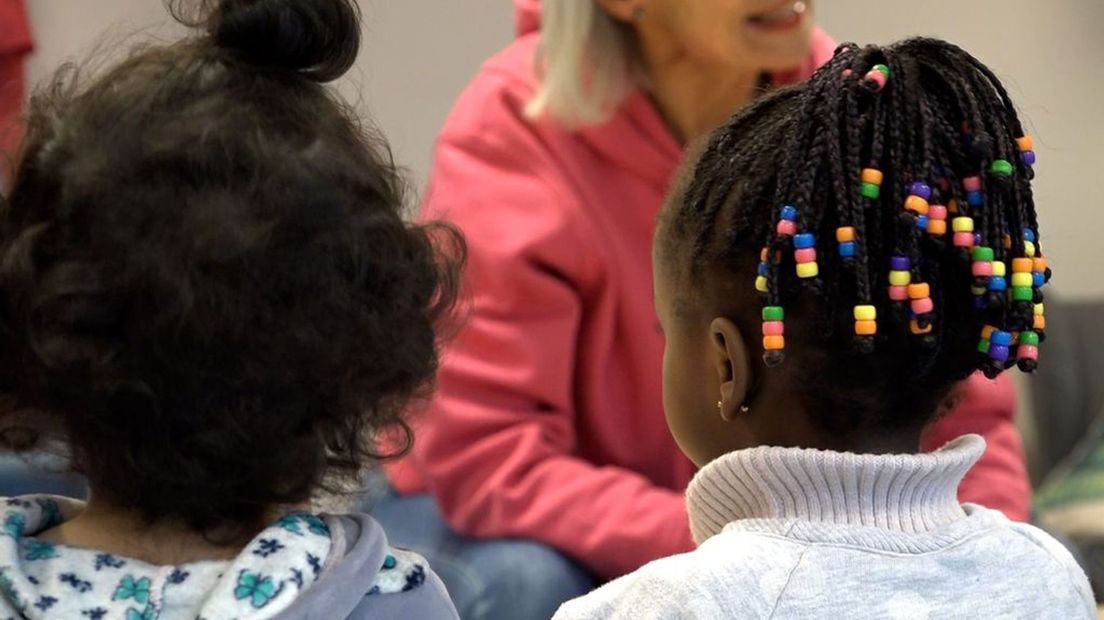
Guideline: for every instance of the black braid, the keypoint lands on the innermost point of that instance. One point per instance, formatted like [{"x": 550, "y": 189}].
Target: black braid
[{"x": 941, "y": 117}]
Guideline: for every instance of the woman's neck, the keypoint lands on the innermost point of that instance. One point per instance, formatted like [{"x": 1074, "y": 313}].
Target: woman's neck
[
  {"x": 104, "y": 527},
  {"x": 692, "y": 98}
]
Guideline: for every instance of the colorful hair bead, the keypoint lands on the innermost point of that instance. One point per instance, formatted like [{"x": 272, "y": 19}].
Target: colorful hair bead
[
  {"x": 773, "y": 328},
  {"x": 879, "y": 75},
  {"x": 845, "y": 235},
  {"x": 787, "y": 221},
  {"x": 937, "y": 220},
  {"x": 1027, "y": 152},
  {"x": 920, "y": 296},
  {"x": 974, "y": 199},
  {"x": 871, "y": 183},
  {"x": 971, "y": 184},
  {"x": 919, "y": 330},
  {"x": 920, "y": 189},
  {"x": 1001, "y": 167},
  {"x": 1027, "y": 353},
  {"x": 1029, "y": 249},
  {"x": 805, "y": 255},
  {"x": 916, "y": 204},
  {"x": 866, "y": 320}
]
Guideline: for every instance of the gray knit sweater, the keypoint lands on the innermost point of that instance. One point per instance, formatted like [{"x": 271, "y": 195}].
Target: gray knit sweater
[{"x": 795, "y": 533}]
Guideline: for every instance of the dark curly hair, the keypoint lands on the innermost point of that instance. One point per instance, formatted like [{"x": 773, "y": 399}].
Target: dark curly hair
[
  {"x": 939, "y": 126},
  {"x": 206, "y": 282}
]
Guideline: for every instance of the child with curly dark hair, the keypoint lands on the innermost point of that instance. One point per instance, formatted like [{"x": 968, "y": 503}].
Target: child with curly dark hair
[
  {"x": 209, "y": 296},
  {"x": 840, "y": 257}
]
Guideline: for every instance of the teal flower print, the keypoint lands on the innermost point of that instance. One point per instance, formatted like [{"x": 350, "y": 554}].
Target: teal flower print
[
  {"x": 15, "y": 524},
  {"x": 145, "y": 614},
  {"x": 139, "y": 590},
  {"x": 38, "y": 550},
  {"x": 257, "y": 588},
  {"x": 316, "y": 525},
  {"x": 290, "y": 523}
]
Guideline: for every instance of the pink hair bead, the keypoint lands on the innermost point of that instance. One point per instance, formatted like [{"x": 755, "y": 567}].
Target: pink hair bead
[
  {"x": 1027, "y": 352},
  {"x": 877, "y": 77},
  {"x": 982, "y": 268},
  {"x": 805, "y": 255},
  {"x": 964, "y": 239},
  {"x": 787, "y": 228},
  {"x": 937, "y": 212},
  {"x": 774, "y": 328},
  {"x": 922, "y": 306},
  {"x": 972, "y": 184},
  {"x": 898, "y": 293}
]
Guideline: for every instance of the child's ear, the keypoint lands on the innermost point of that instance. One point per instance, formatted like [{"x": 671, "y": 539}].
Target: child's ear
[{"x": 733, "y": 366}]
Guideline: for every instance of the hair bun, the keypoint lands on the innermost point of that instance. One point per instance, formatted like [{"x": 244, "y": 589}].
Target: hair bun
[{"x": 317, "y": 38}]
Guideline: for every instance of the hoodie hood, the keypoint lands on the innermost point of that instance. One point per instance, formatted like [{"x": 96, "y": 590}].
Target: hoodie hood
[
  {"x": 526, "y": 16},
  {"x": 302, "y": 566}
]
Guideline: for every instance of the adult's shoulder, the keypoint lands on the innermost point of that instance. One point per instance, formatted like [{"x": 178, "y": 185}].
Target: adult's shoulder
[{"x": 496, "y": 97}]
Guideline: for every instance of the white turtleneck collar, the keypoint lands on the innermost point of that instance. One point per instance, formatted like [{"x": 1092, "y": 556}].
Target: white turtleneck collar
[{"x": 908, "y": 493}]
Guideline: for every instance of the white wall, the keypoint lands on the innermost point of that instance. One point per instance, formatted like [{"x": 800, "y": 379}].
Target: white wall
[{"x": 420, "y": 53}]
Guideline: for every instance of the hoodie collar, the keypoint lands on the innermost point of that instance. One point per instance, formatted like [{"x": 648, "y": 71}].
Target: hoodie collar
[{"x": 39, "y": 579}]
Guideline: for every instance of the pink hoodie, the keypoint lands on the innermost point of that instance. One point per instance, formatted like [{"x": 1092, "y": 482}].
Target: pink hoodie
[{"x": 548, "y": 423}]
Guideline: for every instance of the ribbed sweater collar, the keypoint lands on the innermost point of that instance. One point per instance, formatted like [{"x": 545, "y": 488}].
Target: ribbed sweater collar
[{"x": 909, "y": 493}]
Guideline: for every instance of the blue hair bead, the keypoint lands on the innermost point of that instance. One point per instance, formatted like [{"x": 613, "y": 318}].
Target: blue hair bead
[
  {"x": 789, "y": 212},
  {"x": 974, "y": 198},
  {"x": 764, "y": 269},
  {"x": 900, "y": 263},
  {"x": 1029, "y": 235},
  {"x": 1001, "y": 338},
  {"x": 998, "y": 352},
  {"x": 804, "y": 240},
  {"x": 1038, "y": 280},
  {"x": 998, "y": 284},
  {"x": 847, "y": 249},
  {"x": 920, "y": 189},
  {"x": 922, "y": 222}
]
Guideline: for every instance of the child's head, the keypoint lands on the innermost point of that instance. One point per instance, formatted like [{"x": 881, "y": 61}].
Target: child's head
[
  {"x": 206, "y": 283},
  {"x": 883, "y": 210}
]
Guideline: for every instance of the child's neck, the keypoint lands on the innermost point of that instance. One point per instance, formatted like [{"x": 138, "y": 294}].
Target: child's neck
[{"x": 104, "y": 527}]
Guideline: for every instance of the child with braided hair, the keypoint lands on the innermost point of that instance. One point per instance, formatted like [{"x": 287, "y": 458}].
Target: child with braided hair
[{"x": 834, "y": 264}]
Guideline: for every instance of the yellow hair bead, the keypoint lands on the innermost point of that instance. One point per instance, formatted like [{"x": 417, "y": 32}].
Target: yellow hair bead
[
  {"x": 1022, "y": 280},
  {"x": 963, "y": 224},
  {"x": 1039, "y": 309},
  {"x": 866, "y": 313},
  {"x": 761, "y": 284},
  {"x": 899, "y": 278},
  {"x": 999, "y": 269},
  {"x": 807, "y": 270},
  {"x": 1029, "y": 249}
]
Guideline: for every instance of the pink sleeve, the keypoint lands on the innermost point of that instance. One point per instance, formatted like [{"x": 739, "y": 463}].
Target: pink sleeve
[
  {"x": 498, "y": 445},
  {"x": 999, "y": 480}
]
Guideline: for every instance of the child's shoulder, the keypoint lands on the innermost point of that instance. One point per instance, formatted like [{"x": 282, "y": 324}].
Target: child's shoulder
[
  {"x": 732, "y": 570},
  {"x": 406, "y": 587}
]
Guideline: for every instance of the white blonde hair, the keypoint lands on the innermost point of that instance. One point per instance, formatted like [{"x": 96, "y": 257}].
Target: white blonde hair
[{"x": 586, "y": 63}]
